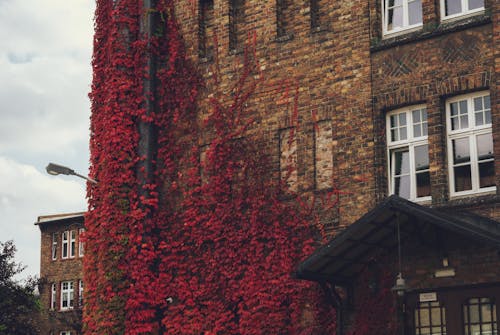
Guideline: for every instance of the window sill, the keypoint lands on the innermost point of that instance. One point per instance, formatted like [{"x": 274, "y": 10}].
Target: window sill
[
  {"x": 284, "y": 38},
  {"x": 402, "y": 31},
  {"x": 431, "y": 30},
  {"x": 473, "y": 194}
]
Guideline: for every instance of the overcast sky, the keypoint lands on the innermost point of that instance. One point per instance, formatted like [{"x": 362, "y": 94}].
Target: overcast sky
[{"x": 45, "y": 75}]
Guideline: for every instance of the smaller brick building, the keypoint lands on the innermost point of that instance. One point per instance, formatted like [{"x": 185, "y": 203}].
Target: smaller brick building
[{"x": 61, "y": 289}]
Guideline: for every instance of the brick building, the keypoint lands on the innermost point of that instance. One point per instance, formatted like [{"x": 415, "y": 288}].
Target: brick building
[
  {"x": 393, "y": 98},
  {"x": 61, "y": 291}
]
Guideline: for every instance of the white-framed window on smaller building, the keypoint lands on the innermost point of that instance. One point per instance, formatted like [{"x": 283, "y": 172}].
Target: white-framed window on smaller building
[
  {"x": 53, "y": 296},
  {"x": 72, "y": 243},
  {"x": 400, "y": 15},
  {"x": 67, "y": 295},
  {"x": 408, "y": 153},
  {"x": 65, "y": 245},
  {"x": 80, "y": 293},
  {"x": 81, "y": 246},
  {"x": 470, "y": 144},
  {"x": 54, "y": 246},
  {"x": 455, "y": 8},
  {"x": 65, "y": 332}
]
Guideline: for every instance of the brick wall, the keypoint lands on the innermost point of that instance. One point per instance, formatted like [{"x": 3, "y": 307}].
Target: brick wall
[
  {"x": 57, "y": 271},
  {"x": 328, "y": 66}
]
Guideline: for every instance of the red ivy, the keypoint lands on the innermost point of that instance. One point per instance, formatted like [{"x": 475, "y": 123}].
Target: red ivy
[{"x": 211, "y": 256}]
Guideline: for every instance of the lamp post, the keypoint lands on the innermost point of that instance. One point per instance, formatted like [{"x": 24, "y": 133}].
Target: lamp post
[{"x": 56, "y": 169}]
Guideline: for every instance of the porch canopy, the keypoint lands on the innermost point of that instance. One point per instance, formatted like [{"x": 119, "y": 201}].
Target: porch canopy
[{"x": 342, "y": 259}]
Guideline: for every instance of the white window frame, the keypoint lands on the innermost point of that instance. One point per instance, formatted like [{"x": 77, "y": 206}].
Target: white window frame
[
  {"x": 72, "y": 243},
  {"x": 53, "y": 296},
  {"x": 409, "y": 143},
  {"x": 471, "y": 133},
  {"x": 54, "y": 246},
  {"x": 67, "y": 295},
  {"x": 81, "y": 246},
  {"x": 406, "y": 19},
  {"x": 80, "y": 293},
  {"x": 465, "y": 10},
  {"x": 65, "y": 244},
  {"x": 65, "y": 332}
]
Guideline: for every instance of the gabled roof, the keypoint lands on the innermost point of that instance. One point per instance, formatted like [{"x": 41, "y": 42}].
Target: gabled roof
[
  {"x": 345, "y": 256},
  {"x": 42, "y": 219}
]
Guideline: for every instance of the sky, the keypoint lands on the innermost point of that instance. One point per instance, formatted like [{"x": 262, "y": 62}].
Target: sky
[{"x": 45, "y": 76}]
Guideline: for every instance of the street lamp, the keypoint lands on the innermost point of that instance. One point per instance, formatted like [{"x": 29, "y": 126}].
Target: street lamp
[{"x": 56, "y": 169}]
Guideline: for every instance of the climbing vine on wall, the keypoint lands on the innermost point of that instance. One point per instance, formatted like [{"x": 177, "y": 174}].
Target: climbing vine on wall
[{"x": 201, "y": 246}]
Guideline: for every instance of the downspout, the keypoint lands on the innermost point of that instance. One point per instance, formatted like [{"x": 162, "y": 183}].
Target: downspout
[
  {"x": 147, "y": 146},
  {"x": 336, "y": 301},
  {"x": 147, "y": 132}
]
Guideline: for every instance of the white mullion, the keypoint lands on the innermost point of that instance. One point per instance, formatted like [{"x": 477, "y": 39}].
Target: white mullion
[{"x": 413, "y": 171}]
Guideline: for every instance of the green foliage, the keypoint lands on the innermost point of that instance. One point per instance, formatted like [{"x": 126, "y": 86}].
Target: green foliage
[{"x": 18, "y": 303}]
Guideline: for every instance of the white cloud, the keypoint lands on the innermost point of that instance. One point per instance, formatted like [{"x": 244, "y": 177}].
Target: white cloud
[
  {"x": 26, "y": 193},
  {"x": 45, "y": 75}
]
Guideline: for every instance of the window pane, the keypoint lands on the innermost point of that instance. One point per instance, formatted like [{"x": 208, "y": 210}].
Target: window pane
[
  {"x": 462, "y": 178},
  {"x": 487, "y": 174},
  {"x": 453, "y": 7},
  {"x": 474, "y": 313},
  {"x": 424, "y": 317},
  {"x": 416, "y": 116},
  {"x": 402, "y": 162},
  {"x": 479, "y": 118},
  {"x": 422, "y": 157},
  {"x": 464, "y": 121},
  {"x": 423, "y": 184},
  {"x": 487, "y": 102},
  {"x": 484, "y": 146},
  {"x": 478, "y": 104},
  {"x": 474, "y": 4},
  {"x": 486, "y": 314},
  {"x": 402, "y": 119},
  {"x": 417, "y": 130},
  {"x": 395, "y": 18},
  {"x": 461, "y": 150},
  {"x": 402, "y": 133},
  {"x": 402, "y": 186},
  {"x": 415, "y": 12},
  {"x": 394, "y": 135},
  {"x": 394, "y": 121},
  {"x": 454, "y": 109}
]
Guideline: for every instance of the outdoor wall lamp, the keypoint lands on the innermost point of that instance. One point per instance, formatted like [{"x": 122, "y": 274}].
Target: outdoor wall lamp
[{"x": 56, "y": 169}]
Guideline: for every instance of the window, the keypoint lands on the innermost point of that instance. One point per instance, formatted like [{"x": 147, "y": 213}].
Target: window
[
  {"x": 236, "y": 23},
  {"x": 470, "y": 144},
  {"x": 323, "y": 155},
  {"x": 65, "y": 244},
  {"x": 53, "y": 296},
  {"x": 480, "y": 316},
  {"x": 80, "y": 242},
  {"x": 54, "y": 246},
  {"x": 315, "y": 18},
  {"x": 65, "y": 332},
  {"x": 408, "y": 153},
  {"x": 455, "y": 8},
  {"x": 284, "y": 12},
  {"x": 206, "y": 28},
  {"x": 288, "y": 159},
  {"x": 430, "y": 319},
  {"x": 67, "y": 295},
  {"x": 72, "y": 244},
  {"x": 80, "y": 293},
  {"x": 399, "y": 15}
]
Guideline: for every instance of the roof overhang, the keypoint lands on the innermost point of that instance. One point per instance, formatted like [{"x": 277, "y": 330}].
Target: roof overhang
[{"x": 343, "y": 258}]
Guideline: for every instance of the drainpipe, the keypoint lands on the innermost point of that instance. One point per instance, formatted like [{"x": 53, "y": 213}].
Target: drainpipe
[
  {"x": 147, "y": 132},
  {"x": 147, "y": 146}
]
